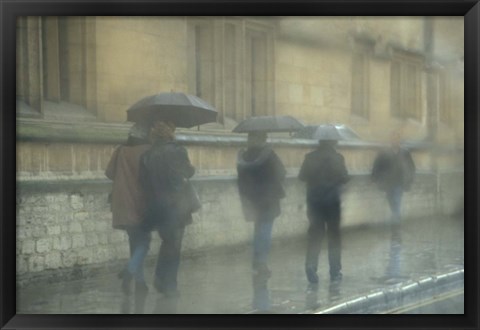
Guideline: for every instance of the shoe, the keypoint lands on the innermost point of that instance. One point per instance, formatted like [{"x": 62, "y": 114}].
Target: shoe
[
  {"x": 141, "y": 288},
  {"x": 120, "y": 273},
  {"x": 312, "y": 287},
  {"x": 337, "y": 277},
  {"x": 158, "y": 285},
  {"x": 172, "y": 293},
  {"x": 141, "y": 292},
  {"x": 312, "y": 276},
  {"x": 126, "y": 278},
  {"x": 161, "y": 288}
]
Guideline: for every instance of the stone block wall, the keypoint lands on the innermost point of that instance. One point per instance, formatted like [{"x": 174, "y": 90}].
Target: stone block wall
[
  {"x": 63, "y": 229},
  {"x": 451, "y": 192}
]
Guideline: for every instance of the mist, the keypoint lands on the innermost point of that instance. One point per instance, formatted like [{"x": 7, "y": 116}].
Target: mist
[{"x": 265, "y": 239}]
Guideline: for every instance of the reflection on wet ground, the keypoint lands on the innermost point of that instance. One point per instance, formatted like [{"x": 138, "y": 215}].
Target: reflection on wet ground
[{"x": 222, "y": 283}]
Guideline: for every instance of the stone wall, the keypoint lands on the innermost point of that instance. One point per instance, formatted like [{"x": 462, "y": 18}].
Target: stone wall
[
  {"x": 58, "y": 150},
  {"x": 451, "y": 192},
  {"x": 309, "y": 69},
  {"x": 67, "y": 225}
]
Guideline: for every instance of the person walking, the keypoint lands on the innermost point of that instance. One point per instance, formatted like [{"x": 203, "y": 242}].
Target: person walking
[
  {"x": 127, "y": 202},
  {"x": 260, "y": 177},
  {"x": 324, "y": 172},
  {"x": 393, "y": 171},
  {"x": 165, "y": 169}
]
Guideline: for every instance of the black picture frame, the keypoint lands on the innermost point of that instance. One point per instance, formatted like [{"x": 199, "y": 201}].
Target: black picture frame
[{"x": 9, "y": 10}]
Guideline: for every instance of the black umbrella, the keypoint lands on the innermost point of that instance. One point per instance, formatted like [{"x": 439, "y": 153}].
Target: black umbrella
[
  {"x": 182, "y": 109},
  {"x": 268, "y": 124}
]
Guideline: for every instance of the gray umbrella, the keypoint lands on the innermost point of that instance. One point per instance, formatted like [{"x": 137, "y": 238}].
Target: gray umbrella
[
  {"x": 346, "y": 132},
  {"x": 182, "y": 109},
  {"x": 327, "y": 132},
  {"x": 268, "y": 124}
]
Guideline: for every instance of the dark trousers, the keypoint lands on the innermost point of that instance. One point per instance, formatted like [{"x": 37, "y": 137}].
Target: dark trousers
[
  {"x": 168, "y": 260},
  {"x": 321, "y": 222},
  {"x": 394, "y": 197},
  {"x": 165, "y": 220},
  {"x": 262, "y": 238},
  {"x": 393, "y": 267}
]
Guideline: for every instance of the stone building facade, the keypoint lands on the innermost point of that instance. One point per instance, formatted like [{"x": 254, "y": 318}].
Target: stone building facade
[{"x": 77, "y": 76}]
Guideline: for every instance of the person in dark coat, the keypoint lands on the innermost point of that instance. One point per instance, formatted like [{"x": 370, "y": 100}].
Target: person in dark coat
[
  {"x": 324, "y": 172},
  {"x": 128, "y": 202},
  {"x": 260, "y": 177},
  {"x": 165, "y": 169},
  {"x": 393, "y": 171}
]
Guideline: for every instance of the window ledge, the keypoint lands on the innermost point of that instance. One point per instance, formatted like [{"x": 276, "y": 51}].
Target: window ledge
[
  {"x": 66, "y": 111},
  {"x": 40, "y": 130},
  {"x": 24, "y": 110}
]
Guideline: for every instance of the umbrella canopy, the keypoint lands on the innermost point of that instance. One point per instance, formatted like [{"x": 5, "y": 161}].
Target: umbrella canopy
[
  {"x": 268, "y": 124},
  {"x": 182, "y": 109},
  {"x": 327, "y": 132},
  {"x": 346, "y": 132}
]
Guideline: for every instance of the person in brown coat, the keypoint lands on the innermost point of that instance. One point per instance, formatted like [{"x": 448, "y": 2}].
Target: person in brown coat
[{"x": 128, "y": 202}]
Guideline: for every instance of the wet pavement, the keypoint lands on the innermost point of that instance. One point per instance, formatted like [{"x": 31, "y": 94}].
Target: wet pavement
[
  {"x": 449, "y": 303},
  {"x": 221, "y": 282}
]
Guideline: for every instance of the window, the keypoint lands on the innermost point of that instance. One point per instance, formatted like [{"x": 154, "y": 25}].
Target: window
[
  {"x": 64, "y": 55},
  {"x": 405, "y": 85},
  {"x": 256, "y": 74},
  {"x": 231, "y": 72},
  {"x": 445, "y": 106},
  {"x": 361, "y": 78},
  {"x": 204, "y": 63},
  {"x": 28, "y": 87},
  {"x": 21, "y": 61},
  {"x": 229, "y": 66},
  {"x": 56, "y": 65},
  {"x": 450, "y": 95}
]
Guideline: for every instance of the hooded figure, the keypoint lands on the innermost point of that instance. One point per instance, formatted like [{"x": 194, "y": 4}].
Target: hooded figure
[
  {"x": 260, "y": 177},
  {"x": 128, "y": 201},
  {"x": 393, "y": 171},
  {"x": 324, "y": 172}
]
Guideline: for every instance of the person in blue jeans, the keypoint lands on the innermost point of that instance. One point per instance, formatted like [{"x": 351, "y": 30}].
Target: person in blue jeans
[
  {"x": 127, "y": 201},
  {"x": 393, "y": 171},
  {"x": 260, "y": 177},
  {"x": 139, "y": 241}
]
